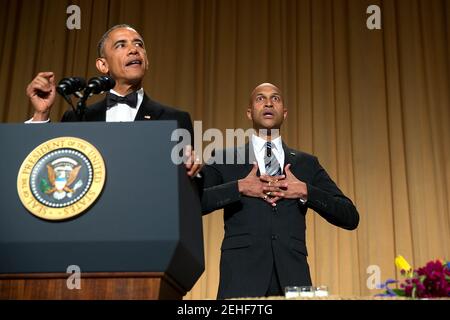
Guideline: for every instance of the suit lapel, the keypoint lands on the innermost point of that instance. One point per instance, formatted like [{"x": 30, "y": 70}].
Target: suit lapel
[
  {"x": 149, "y": 110},
  {"x": 96, "y": 112},
  {"x": 290, "y": 156},
  {"x": 245, "y": 156},
  {"x": 294, "y": 158}
]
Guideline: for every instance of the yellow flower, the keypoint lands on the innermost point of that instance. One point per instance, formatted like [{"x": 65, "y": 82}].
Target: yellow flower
[{"x": 402, "y": 264}]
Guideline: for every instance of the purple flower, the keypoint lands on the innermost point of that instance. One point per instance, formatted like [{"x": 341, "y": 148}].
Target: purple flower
[
  {"x": 388, "y": 291},
  {"x": 430, "y": 281}
]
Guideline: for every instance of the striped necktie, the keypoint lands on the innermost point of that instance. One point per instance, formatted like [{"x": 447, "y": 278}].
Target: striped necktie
[{"x": 272, "y": 165}]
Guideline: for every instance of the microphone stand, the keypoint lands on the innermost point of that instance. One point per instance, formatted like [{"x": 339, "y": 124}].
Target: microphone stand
[
  {"x": 81, "y": 105},
  {"x": 95, "y": 85},
  {"x": 67, "y": 98}
]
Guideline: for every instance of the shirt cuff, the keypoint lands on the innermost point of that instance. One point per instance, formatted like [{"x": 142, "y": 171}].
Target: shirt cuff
[{"x": 31, "y": 121}]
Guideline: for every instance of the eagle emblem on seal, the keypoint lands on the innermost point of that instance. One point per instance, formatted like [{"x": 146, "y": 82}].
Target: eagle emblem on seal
[{"x": 62, "y": 177}]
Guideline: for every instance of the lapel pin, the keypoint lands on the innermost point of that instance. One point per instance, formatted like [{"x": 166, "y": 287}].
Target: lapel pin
[{"x": 148, "y": 117}]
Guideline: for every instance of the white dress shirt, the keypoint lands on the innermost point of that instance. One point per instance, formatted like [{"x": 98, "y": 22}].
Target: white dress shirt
[
  {"x": 121, "y": 112},
  {"x": 259, "y": 148}
]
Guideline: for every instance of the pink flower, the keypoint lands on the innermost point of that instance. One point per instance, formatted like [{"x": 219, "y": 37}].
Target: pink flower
[{"x": 430, "y": 281}]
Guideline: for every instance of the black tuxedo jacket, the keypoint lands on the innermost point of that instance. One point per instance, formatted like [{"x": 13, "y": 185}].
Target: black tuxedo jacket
[
  {"x": 256, "y": 234},
  {"x": 149, "y": 110}
]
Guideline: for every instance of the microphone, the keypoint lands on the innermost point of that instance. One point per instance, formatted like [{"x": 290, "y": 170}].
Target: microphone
[
  {"x": 95, "y": 86},
  {"x": 67, "y": 86},
  {"x": 99, "y": 84}
]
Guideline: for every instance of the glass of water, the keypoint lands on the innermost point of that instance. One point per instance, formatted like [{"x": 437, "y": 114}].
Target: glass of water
[
  {"x": 307, "y": 291},
  {"x": 321, "y": 291},
  {"x": 292, "y": 292}
]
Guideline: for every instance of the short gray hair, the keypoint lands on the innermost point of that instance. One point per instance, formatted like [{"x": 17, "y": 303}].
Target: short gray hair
[{"x": 101, "y": 43}]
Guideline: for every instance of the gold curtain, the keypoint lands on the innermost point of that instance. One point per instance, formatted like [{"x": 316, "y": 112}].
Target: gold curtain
[{"x": 373, "y": 105}]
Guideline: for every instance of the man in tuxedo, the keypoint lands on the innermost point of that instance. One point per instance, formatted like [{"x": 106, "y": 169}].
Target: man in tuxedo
[
  {"x": 265, "y": 205},
  {"x": 122, "y": 56}
]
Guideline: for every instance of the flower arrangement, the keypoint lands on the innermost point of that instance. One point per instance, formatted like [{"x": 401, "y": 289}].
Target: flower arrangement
[{"x": 430, "y": 281}]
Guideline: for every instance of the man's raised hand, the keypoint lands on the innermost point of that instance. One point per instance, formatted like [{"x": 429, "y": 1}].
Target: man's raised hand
[{"x": 42, "y": 92}]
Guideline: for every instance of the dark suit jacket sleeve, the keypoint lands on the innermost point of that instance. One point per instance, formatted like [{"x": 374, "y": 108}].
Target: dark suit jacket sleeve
[
  {"x": 69, "y": 116},
  {"x": 185, "y": 122},
  {"x": 325, "y": 198},
  {"x": 214, "y": 193}
]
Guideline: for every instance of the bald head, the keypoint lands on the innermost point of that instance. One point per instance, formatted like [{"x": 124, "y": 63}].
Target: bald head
[
  {"x": 266, "y": 109},
  {"x": 261, "y": 87}
]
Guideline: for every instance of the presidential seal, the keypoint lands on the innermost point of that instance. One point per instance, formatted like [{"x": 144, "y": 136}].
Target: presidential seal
[{"x": 61, "y": 178}]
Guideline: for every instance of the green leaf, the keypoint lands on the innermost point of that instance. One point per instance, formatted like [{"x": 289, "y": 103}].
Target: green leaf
[
  {"x": 43, "y": 185},
  {"x": 399, "y": 292}
]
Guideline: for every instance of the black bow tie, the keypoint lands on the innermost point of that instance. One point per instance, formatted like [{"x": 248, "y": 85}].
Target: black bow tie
[{"x": 112, "y": 99}]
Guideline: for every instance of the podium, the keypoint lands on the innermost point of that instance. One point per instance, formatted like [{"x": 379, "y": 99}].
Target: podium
[{"x": 141, "y": 238}]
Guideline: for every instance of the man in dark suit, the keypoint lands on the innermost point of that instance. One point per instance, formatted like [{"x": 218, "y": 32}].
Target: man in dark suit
[
  {"x": 264, "y": 247},
  {"x": 122, "y": 56}
]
